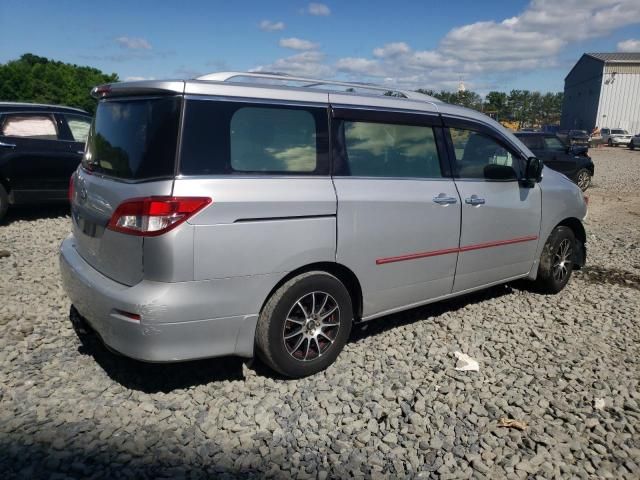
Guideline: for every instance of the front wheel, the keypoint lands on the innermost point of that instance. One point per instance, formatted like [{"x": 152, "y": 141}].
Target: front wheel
[
  {"x": 583, "y": 179},
  {"x": 631, "y": 145},
  {"x": 610, "y": 143},
  {"x": 305, "y": 324},
  {"x": 556, "y": 261}
]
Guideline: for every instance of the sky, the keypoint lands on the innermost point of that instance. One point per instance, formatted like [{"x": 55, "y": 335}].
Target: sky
[{"x": 488, "y": 45}]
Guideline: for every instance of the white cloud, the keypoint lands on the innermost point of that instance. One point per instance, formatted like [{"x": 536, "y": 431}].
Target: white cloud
[
  {"x": 136, "y": 78},
  {"x": 631, "y": 45},
  {"x": 269, "y": 26},
  {"x": 391, "y": 50},
  {"x": 297, "y": 44},
  {"x": 133, "y": 43},
  {"x": 362, "y": 66},
  {"x": 319, "y": 9},
  {"x": 305, "y": 64}
]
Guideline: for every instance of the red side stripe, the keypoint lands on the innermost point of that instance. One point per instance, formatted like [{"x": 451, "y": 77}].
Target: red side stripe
[{"x": 467, "y": 248}]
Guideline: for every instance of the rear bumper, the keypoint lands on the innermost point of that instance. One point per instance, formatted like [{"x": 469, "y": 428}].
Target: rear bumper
[
  {"x": 178, "y": 320},
  {"x": 622, "y": 141}
]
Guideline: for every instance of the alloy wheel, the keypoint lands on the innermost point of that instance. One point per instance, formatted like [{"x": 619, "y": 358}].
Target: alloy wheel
[
  {"x": 311, "y": 326},
  {"x": 562, "y": 260},
  {"x": 583, "y": 180}
]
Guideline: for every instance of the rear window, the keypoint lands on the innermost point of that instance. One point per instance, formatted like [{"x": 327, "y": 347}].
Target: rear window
[
  {"x": 619, "y": 132},
  {"x": 134, "y": 139},
  {"x": 225, "y": 138}
]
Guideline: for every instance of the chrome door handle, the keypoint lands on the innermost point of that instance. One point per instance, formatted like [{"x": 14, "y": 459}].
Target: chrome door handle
[
  {"x": 7, "y": 145},
  {"x": 442, "y": 199},
  {"x": 474, "y": 200}
]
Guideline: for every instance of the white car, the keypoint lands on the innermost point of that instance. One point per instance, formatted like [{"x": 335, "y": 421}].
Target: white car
[
  {"x": 615, "y": 136},
  {"x": 635, "y": 142}
]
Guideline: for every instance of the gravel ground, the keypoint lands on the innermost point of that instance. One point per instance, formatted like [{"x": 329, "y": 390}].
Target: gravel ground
[{"x": 392, "y": 406}]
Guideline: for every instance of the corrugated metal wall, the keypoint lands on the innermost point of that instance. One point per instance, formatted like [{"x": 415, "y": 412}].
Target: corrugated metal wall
[{"x": 620, "y": 98}]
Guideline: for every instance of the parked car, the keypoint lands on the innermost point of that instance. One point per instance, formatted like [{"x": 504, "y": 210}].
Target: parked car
[
  {"x": 634, "y": 142},
  {"x": 615, "y": 136},
  {"x": 40, "y": 147},
  {"x": 571, "y": 160},
  {"x": 235, "y": 214}
]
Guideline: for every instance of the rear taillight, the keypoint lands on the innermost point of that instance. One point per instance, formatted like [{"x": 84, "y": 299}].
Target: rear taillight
[
  {"x": 71, "y": 187},
  {"x": 152, "y": 216}
]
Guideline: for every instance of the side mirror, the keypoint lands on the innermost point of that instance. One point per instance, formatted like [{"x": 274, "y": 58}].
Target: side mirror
[{"x": 533, "y": 171}]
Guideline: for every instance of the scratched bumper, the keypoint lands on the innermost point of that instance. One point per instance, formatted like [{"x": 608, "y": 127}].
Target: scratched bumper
[{"x": 175, "y": 322}]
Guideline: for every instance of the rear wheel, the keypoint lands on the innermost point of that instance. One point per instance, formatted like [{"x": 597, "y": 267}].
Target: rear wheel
[
  {"x": 631, "y": 145},
  {"x": 583, "y": 179},
  {"x": 305, "y": 324},
  {"x": 610, "y": 143},
  {"x": 556, "y": 261},
  {"x": 4, "y": 202}
]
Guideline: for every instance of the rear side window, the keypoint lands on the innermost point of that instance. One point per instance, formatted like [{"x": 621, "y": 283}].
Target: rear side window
[
  {"x": 79, "y": 126},
  {"x": 223, "y": 138},
  {"x": 553, "y": 143},
  {"x": 42, "y": 127},
  {"x": 134, "y": 139},
  {"x": 534, "y": 142},
  {"x": 389, "y": 150}
]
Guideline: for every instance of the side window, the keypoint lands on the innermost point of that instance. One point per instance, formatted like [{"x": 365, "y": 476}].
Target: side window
[
  {"x": 477, "y": 155},
  {"x": 553, "y": 143},
  {"x": 389, "y": 150},
  {"x": 79, "y": 126},
  {"x": 272, "y": 140},
  {"x": 533, "y": 142},
  {"x": 226, "y": 138},
  {"x": 36, "y": 126}
]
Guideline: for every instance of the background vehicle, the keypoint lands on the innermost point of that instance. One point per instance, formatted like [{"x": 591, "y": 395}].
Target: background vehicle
[
  {"x": 40, "y": 147},
  {"x": 572, "y": 161},
  {"x": 578, "y": 138},
  {"x": 615, "y": 136},
  {"x": 258, "y": 233},
  {"x": 634, "y": 142}
]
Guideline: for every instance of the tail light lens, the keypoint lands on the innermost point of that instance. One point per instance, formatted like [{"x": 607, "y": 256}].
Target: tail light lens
[{"x": 152, "y": 216}]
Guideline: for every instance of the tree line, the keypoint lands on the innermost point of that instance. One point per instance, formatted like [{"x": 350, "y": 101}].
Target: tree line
[{"x": 37, "y": 79}]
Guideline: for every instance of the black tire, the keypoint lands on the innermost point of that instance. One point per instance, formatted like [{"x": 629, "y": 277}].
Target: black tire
[
  {"x": 551, "y": 276},
  {"x": 610, "y": 143},
  {"x": 293, "y": 304},
  {"x": 4, "y": 202},
  {"x": 583, "y": 179},
  {"x": 631, "y": 145}
]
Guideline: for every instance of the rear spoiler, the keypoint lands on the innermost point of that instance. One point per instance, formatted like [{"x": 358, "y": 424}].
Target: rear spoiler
[{"x": 144, "y": 87}]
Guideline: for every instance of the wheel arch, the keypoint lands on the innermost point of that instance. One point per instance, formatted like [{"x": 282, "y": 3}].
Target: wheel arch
[{"x": 342, "y": 273}]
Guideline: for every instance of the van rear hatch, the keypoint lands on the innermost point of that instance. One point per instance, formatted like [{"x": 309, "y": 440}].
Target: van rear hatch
[{"x": 131, "y": 153}]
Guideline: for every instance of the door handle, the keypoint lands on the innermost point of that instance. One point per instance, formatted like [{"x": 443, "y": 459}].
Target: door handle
[
  {"x": 7, "y": 145},
  {"x": 443, "y": 199},
  {"x": 474, "y": 200}
]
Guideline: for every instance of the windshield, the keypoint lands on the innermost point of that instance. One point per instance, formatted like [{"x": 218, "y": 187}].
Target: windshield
[
  {"x": 578, "y": 132},
  {"x": 134, "y": 138},
  {"x": 619, "y": 132}
]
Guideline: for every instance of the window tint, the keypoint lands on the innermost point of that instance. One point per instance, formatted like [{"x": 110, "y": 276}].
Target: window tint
[
  {"x": 134, "y": 138},
  {"x": 477, "y": 154},
  {"x": 41, "y": 127},
  {"x": 389, "y": 150},
  {"x": 225, "y": 138},
  {"x": 79, "y": 127},
  {"x": 619, "y": 132},
  {"x": 534, "y": 142},
  {"x": 553, "y": 143},
  {"x": 272, "y": 140}
]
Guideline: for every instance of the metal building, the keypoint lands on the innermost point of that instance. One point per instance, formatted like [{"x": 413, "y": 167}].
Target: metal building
[{"x": 603, "y": 89}]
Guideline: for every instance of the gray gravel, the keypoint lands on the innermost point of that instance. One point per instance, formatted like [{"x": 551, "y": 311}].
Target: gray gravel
[{"x": 392, "y": 406}]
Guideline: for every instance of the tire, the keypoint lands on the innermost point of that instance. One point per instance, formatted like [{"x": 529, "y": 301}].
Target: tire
[
  {"x": 583, "y": 179},
  {"x": 631, "y": 145},
  {"x": 610, "y": 143},
  {"x": 556, "y": 261},
  {"x": 4, "y": 202},
  {"x": 295, "y": 311}
]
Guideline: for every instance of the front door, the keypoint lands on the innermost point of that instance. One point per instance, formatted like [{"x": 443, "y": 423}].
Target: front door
[
  {"x": 500, "y": 216},
  {"x": 558, "y": 157},
  {"x": 398, "y": 208}
]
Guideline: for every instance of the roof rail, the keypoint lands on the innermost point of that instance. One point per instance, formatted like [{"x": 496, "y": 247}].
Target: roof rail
[{"x": 315, "y": 82}]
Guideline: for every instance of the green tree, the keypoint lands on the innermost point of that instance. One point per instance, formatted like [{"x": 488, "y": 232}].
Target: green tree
[{"x": 37, "y": 79}]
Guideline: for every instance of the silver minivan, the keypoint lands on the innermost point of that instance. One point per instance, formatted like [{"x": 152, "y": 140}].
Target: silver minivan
[{"x": 248, "y": 213}]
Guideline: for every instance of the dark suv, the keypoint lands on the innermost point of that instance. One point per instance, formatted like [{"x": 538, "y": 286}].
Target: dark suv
[
  {"x": 40, "y": 147},
  {"x": 572, "y": 160}
]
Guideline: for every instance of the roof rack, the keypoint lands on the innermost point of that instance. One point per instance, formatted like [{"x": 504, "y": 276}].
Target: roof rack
[{"x": 314, "y": 82}]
